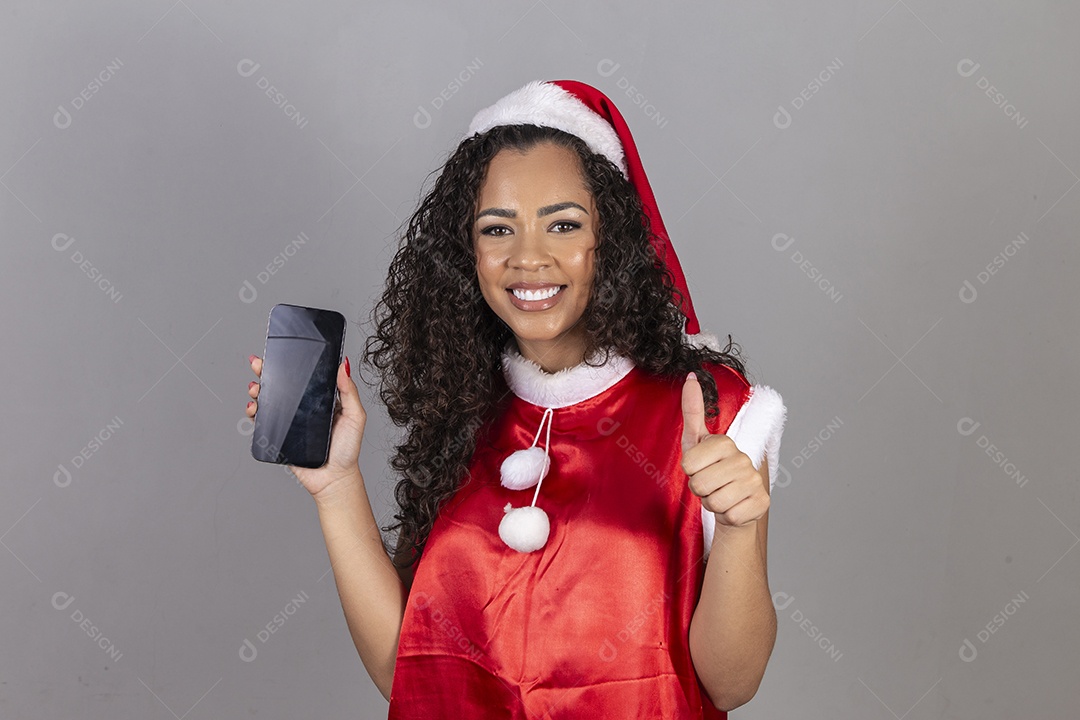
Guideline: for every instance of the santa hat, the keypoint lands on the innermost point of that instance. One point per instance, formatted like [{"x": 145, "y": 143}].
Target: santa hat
[{"x": 582, "y": 110}]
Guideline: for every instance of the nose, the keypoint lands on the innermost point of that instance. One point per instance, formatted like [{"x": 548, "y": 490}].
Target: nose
[{"x": 530, "y": 250}]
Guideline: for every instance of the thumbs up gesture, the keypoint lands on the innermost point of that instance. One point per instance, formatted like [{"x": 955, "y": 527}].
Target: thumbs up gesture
[{"x": 720, "y": 474}]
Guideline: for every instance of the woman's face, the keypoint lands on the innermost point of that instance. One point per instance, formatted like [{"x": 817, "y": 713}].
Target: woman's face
[{"x": 534, "y": 238}]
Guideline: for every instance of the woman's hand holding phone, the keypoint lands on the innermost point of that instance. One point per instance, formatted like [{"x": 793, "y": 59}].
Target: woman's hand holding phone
[{"x": 346, "y": 436}]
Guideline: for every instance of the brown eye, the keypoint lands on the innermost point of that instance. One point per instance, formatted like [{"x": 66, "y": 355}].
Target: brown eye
[
  {"x": 490, "y": 230},
  {"x": 568, "y": 224}
]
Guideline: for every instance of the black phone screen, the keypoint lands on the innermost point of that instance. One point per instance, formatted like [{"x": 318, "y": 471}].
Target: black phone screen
[{"x": 304, "y": 347}]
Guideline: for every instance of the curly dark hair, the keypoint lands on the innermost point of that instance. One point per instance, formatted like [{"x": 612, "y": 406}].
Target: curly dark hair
[{"x": 438, "y": 344}]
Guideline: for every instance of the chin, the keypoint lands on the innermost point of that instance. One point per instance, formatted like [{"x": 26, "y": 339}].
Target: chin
[{"x": 532, "y": 335}]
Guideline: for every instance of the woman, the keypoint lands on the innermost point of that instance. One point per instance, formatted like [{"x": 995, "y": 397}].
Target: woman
[{"x": 531, "y": 340}]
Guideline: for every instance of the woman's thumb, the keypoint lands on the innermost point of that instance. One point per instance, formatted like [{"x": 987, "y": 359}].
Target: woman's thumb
[
  {"x": 347, "y": 392},
  {"x": 693, "y": 411}
]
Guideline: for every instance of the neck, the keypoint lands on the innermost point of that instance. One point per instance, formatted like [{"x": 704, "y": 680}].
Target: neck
[{"x": 553, "y": 355}]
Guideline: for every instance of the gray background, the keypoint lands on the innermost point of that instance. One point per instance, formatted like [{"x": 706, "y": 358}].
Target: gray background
[{"x": 898, "y": 539}]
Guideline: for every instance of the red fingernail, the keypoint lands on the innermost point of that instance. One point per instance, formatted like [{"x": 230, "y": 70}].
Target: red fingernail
[
  {"x": 251, "y": 358},
  {"x": 348, "y": 371},
  {"x": 250, "y": 403},
  {"x": 251, "y": 384}
]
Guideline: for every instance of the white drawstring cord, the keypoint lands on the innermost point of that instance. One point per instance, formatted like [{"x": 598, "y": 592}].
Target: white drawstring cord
[{"x": 547, "y": 449}]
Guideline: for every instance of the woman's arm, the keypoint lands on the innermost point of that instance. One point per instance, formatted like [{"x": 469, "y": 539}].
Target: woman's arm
[
  {"x": 733, "y": 629},
  {"x": 371, "y": 591}
]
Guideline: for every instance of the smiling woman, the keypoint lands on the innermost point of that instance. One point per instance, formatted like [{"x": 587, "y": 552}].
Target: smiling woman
[{"x": 536, "y": 339}]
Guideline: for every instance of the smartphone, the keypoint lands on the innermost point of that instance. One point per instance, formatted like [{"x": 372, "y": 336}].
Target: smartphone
[{"x": 304, "y": 347}]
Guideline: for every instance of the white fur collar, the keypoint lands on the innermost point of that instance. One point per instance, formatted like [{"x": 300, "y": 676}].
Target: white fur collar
[{"x": 566, "y": 387}]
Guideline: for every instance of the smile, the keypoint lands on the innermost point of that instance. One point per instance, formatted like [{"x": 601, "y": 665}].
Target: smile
[{"x": 532, "y": 300}]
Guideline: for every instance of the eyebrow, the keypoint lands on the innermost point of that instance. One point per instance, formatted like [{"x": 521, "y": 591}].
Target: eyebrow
[{"x": 546, "y": 210}]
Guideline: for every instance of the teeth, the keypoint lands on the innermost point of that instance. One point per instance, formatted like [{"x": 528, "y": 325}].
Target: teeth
[{"x": 535, "y": 295}]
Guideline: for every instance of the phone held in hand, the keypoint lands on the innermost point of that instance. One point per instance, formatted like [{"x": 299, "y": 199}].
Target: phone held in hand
[{"x": 298, "y": 389}]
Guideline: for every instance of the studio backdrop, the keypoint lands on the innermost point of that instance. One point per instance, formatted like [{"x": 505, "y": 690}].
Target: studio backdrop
[{"x": 876, "y": 200}]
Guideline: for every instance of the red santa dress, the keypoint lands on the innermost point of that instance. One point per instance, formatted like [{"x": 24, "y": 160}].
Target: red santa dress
[{"x": 595, "y": 623}]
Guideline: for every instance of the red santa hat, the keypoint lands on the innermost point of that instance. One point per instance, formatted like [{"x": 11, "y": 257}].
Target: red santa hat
[{"x": 584, "y": 111}]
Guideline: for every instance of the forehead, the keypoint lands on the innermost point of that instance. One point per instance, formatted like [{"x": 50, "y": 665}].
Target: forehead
[{"x": 541, "y": 172}]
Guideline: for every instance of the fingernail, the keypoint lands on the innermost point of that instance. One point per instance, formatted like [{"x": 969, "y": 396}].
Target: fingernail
[
  {"x": 251, "y": 358},
  {"x": 691, "y": 375},
  {"x": 250, "y": 403},
  {"x": 348, "y": 371},
  {"x": 251, "y": 384}
]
